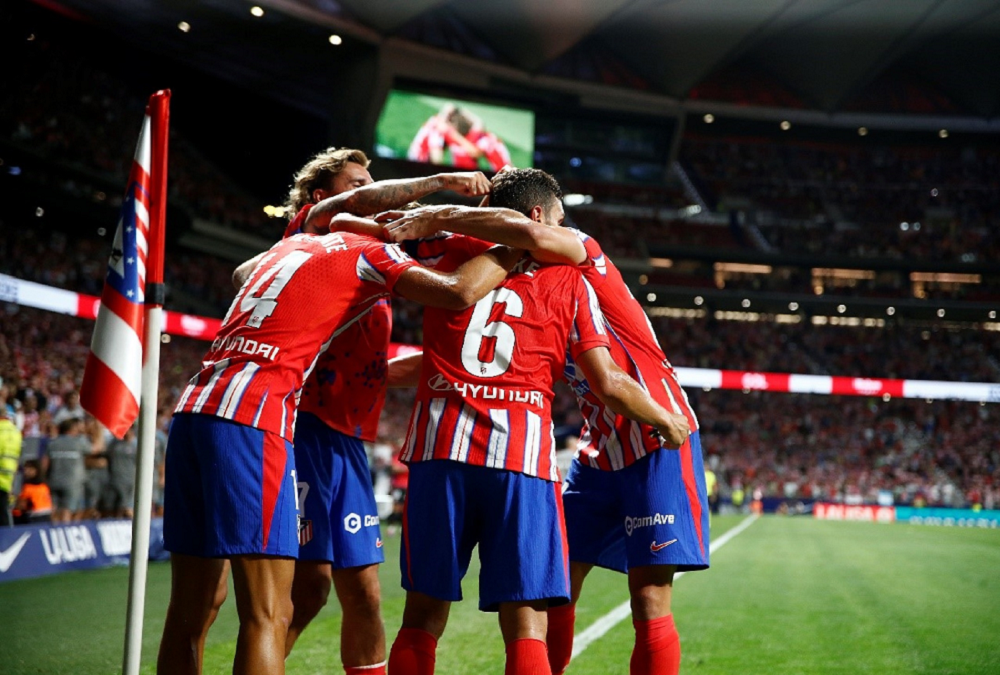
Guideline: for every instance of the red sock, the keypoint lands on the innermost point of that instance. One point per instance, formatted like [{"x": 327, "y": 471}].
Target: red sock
[
  {"x": 560, "y": 637},
  {"x": 657, "y": 647},
  {"x": 412, "y": 653},
  {"x": 376, "y": 669},
  {"x": 527, "y": 657}
]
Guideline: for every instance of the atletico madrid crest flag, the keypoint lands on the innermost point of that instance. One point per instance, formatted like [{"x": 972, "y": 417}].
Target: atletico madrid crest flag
[{"x": 112, "y": 380}]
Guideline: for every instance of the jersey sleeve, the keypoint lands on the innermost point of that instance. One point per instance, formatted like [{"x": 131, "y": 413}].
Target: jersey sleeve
[
  {"x": 383, "y": 264},
  {"x": 446, "y": 251},
  {"x": 589, "y": 329},
  {"x": 595, "y": 256}
]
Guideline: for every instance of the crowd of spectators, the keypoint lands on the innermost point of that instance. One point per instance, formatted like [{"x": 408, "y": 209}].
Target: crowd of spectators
[
  {"x": 861, "y": 199},
  {"x": 896, "y": 350},
  {"x": 196, "y": 283},
  {"x": 783, "y": 445},
  {"x": 848, "y": 449},
  {"x": 78, "y": 116}
]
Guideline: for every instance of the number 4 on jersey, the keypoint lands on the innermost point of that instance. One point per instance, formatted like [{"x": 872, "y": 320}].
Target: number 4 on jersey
[{"x": 275, "y": 278}]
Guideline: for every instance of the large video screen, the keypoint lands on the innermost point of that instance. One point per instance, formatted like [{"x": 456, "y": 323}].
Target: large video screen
[{"x": 452, "y": 132}]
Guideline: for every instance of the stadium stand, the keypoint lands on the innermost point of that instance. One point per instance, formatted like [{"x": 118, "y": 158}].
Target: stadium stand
[{"x": 806, "y": 198}]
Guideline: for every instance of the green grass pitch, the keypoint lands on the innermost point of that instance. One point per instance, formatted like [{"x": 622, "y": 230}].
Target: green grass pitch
[{"x": 787, "y": 595}]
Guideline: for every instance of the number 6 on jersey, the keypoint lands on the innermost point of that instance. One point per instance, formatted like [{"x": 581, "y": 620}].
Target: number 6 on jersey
[{"x": 489, "y": 345}]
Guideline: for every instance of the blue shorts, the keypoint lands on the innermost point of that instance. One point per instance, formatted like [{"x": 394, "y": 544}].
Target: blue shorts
[
  {"x": 515, "y": 519},
  {"x": 339, "y": 516},
  {"x": 229, "y": 490},
  {"x": 653, "y": 512}
]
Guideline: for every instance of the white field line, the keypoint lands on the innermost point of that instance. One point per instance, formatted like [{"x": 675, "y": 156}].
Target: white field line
[{"x": 598, "y": 629}]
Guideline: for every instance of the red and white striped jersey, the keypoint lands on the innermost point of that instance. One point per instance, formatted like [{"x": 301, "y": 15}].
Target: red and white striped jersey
[
  {"x": 486, "y": 383},
  {"x": 609, "y": 441},
  {"x": 302, "y": 294},
  {"x": 346, "y": 390}
]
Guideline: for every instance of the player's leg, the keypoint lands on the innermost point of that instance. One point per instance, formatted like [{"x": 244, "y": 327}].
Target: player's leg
[
  {"x": 362, "y": 635},
  {"x": 437, "y": 548},
  {"x": 229, "y": 493},
  {"x": 314, "y": 467},
  {"x": 263, "y": 586},
  {"x": 357, "y": 553},
  {"x": 594, "y": 532},
  {"x": 523, "y": 626},
  {"x": 657, "y": 648},
  {"x": 668, "y": 532},
  {"x": 414, "y": 649},
  {"x": 310, "y": 592},
  {"x": 198, "y": 579},
  {"x": 525, "y": 564},
  {"x": 197, "y": 590},
  {"x": 562, "y": 620}
]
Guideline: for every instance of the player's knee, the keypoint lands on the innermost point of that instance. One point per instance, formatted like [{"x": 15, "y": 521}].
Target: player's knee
[
  {"x": 219, "y": 597},
  {"x": 311, "y": 595},
  {"x": 361, "y": 596},
  {"x": 650, "y": 601},
  {"x": 273, "y": 613}
]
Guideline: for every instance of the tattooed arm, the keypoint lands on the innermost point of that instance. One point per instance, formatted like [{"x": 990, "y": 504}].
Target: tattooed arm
[{"x": 392, "y": 194}]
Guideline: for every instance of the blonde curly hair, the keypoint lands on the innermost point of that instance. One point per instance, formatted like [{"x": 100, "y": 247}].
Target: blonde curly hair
[{"x": 318, "y": 172}]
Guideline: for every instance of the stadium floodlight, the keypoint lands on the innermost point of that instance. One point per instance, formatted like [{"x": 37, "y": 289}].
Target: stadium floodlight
[
  {"x": 257, "y": 11},
  {"x": 785, "y": 125},
  {"x": 574, "y": 199},
  {"x": 184, "y": 27},
  {"x": 336, "y": 40},
  {"x": 709, "y": 118}
]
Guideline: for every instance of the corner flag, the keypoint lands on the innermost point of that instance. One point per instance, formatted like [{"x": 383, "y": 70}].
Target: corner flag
[{"x": 112, "y": 379}]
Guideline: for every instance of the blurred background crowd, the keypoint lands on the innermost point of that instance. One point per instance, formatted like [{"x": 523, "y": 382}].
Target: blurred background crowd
[{"x": 66, "y": 135}]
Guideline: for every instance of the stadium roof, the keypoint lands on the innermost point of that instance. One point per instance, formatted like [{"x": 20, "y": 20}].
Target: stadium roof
[{"x": 934, "y": 57}]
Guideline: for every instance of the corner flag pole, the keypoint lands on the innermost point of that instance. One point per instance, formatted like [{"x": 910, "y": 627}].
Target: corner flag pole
[{"x": 159, "y": 112}]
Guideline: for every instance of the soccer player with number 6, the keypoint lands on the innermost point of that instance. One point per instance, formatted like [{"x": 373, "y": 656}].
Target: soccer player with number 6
[
  {"x": 629, "y": 506},
  {"x": 480, "y": 445}
]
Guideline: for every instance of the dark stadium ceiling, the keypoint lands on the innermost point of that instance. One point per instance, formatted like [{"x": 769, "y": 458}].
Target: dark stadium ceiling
[{"x": 934, "y": 57}]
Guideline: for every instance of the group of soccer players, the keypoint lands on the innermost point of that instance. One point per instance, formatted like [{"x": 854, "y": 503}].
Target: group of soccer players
[{"x": 266, "y": 471}]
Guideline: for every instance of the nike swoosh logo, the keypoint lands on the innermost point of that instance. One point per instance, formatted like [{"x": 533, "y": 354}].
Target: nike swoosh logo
[
  {"x": 656, "y": 548},
  {"x": 8, "y": 557}
]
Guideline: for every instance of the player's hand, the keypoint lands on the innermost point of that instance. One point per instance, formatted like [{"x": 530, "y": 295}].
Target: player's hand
[
  {"x": 468, "y": 183},
  {"x": 415, "y": 224},
  {"x": 674, "y": 432}
]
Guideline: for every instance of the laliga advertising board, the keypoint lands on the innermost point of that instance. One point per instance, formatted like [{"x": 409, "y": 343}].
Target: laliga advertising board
[{"x": 38, "y": 550}]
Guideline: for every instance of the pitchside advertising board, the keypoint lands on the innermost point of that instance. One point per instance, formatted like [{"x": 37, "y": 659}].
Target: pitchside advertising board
[
  {"x": 37, "y": 550},
  {"x": 906, "y": 514}
]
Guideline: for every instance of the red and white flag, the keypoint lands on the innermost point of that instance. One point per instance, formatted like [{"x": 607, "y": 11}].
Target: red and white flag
[{"x": 112, "y": 380}]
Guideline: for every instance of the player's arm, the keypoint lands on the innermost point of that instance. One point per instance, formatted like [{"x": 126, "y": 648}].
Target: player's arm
[
  {"x": 346, "y": 222},
  {"x": 462, "y": 288},
  {"x": 404, "y": 371},
  {"x": 393, "y": 194},
  {"x": 243, "y": 272},
  {"x": 625, "y": 396},
  {"x": 502, "y": 226}
]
